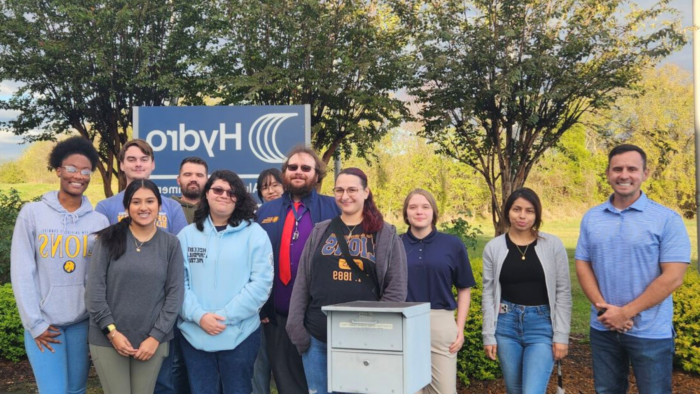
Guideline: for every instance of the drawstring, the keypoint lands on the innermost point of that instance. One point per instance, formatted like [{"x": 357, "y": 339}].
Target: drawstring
[{"x": 67, "y": 217}]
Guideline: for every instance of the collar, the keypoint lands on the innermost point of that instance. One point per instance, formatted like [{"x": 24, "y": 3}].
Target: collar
[
  {"x": 428, "y": 239},
  {"x": 305, "y": 201},
  {"x": 638, "y": 205}
]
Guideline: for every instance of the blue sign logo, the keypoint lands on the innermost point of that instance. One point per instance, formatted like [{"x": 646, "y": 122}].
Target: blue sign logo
[{"x": 246, "y": 139}]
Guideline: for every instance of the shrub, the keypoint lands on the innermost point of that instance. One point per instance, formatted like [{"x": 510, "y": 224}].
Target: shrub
[
  {"x": 12, "y": 338},
  {"x": 10, "y": 204},
  {"x": 686, "y": 320},
  {"x": 472, "y": 362}
]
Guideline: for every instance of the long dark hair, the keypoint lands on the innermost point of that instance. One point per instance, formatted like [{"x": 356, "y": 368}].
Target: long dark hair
[
  {"x": 245, "y": 205},
  {"x": 114, "y": 236},
  {"x": 372, "y": 219},
  {"x": 530, "y": 196}
]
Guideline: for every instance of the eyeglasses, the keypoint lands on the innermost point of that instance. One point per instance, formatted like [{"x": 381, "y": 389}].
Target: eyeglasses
[
  {"x": 74, "y": 170},
  {"x": 219, "y": 191},
  {"x": 351, "y": 191},
  {"x": 304, "y": 167},
  {"x": 270, "y": 186}
]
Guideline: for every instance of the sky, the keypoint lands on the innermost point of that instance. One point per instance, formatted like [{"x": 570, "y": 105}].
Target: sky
[{"x": 10, "y": 147}]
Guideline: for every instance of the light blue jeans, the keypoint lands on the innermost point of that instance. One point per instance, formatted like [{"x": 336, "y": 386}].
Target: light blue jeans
[
  {"x": 66, "y": 369},
  {"x": 524, "y": 339},
  {"x": 316, "y": 367}
]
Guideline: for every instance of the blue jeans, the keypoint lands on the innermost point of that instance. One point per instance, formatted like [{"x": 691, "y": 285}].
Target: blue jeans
[
  {"x": 652, "y": 360},
  {"x": 226, "y": 371},
  {"x": 261, "y": 369},
  {"x": 65, "y": 370},
  {"x": 316, "y": 367},
  {"x": 524, "y": 339}
]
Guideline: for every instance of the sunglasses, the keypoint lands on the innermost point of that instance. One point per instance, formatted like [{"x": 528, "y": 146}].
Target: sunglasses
[
  {"x": 304, "y": 167},
  {"x": 219, "y": 191}
]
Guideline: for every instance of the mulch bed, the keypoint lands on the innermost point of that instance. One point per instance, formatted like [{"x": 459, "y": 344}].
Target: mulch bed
[
  {"x": 577, "y": 374},
  {"x": 576, "y": 370}
]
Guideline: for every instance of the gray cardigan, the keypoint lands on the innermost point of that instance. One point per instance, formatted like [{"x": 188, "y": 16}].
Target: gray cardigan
[
  {"x": 392, "y": 274},
  {"x": 552, "y": 254}
]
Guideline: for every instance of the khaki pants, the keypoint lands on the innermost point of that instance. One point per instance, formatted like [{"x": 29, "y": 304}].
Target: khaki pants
[
  {"x": 126, "y": 375},
  {"x": 443, "y": 332}
]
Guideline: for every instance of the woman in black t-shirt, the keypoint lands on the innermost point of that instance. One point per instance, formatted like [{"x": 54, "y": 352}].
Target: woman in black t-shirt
[
  {"x": 526, "y": 300},
  {"x": 377, "y": 271}
]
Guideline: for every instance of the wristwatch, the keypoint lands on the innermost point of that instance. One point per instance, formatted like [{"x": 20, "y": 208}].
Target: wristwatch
[{"x": 109, "y": 329}]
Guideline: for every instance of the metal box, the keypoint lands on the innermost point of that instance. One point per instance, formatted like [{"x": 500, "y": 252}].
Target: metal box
[{"x": 378, "y": 347}]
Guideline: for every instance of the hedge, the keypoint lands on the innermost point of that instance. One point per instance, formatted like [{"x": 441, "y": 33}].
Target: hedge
[
  {"x": 686, "y": 320},
  {"x": 12, "y": 338}
]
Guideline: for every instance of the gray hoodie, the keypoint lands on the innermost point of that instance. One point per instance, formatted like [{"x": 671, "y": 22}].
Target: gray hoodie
[{"x": 51, "y": 249}]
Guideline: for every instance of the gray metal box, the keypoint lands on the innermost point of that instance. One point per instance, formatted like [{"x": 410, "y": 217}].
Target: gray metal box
[{"x": 378, "y": 347}]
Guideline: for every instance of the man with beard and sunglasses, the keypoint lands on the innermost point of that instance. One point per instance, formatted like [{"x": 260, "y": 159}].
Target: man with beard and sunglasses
[
  {"x": 191, "y": 179},
  {"x": 288, "y": 221}
]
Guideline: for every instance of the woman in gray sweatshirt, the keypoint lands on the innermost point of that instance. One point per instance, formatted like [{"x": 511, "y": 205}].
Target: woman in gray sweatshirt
[
  {"x": 134, "y": 294},
  {"x": 51, "y": 247}
]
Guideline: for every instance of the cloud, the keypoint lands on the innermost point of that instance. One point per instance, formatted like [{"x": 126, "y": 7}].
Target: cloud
[{"x": 7, "y": 88}]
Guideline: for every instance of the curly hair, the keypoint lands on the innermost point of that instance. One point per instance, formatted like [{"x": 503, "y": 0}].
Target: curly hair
[
  {"x": 73, "y": 146},
  {"x": 245, "y": 204}
]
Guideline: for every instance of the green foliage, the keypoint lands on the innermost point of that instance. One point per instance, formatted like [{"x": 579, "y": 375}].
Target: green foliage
[
  {"x": 501, "y": 82},
  {"x": 472, "y": 362},
  {"x": 10, "y": 205},
  {"x": 345, "y": 59},
  {"x": 464, "y": 230},
  {"x": 84, "y": 65},
  {"x": 686, "y": 320},
  {"x": 12, "y": 338},
  {"x": 12, "y": 172}
]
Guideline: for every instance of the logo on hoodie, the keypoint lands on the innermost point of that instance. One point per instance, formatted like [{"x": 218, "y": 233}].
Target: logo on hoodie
[{"x": 69, "y": 266}]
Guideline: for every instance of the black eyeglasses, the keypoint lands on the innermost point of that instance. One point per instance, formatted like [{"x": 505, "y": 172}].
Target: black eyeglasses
[
  {"x": 219, "y": 191},
  {"x": 304, "y": 167}
]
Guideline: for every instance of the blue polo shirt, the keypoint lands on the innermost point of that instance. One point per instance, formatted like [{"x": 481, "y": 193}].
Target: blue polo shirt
[
  {"x": 625, "y": 249},
  {"x": 435, "y": 264}
]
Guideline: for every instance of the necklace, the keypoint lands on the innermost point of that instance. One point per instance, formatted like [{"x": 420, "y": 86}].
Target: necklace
[
  {"x": 350, "y": 230},
  {"x": 138, "y": 246},
  {"x": 522, "y": 254}
]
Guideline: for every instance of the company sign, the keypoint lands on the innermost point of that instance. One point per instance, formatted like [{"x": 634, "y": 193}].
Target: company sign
[{"x": 246, "y": 139}]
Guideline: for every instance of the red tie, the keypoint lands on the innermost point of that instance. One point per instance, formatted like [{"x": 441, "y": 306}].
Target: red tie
[{"x": 285, "y": 245}]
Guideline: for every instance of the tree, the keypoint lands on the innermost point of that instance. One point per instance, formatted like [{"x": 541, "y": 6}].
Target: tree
[
  {"x": 343, "y": 58},
  {"x": 501, "y": 81},
  {"x": 85, "y": 65}
]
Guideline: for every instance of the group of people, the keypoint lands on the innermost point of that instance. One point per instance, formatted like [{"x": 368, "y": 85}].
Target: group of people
[{"x": 207, "y": 292}]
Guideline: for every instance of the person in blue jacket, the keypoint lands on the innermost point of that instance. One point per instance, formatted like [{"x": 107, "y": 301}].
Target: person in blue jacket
[
  {"x": 288, "y": 221},
  {"x": 228, "y": 278}
]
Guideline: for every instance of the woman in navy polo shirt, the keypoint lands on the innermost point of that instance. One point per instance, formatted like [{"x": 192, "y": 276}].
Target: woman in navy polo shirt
[
  {"x": 436, "y": 262},
  {"x": 526, "y": 301}
]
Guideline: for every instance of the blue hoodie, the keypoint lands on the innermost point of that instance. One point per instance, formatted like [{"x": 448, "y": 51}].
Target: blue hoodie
[
  {"x": 51, "y": 249},
  {"x": 228, "y": 273}
]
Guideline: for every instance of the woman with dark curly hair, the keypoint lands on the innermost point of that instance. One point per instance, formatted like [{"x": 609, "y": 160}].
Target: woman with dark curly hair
[
  {"x": 228, "y": 278},
  {"x": 51, "y": 248}
]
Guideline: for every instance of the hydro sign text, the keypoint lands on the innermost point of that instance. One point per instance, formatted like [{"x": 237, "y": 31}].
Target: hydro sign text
[{"x": 189, "y": 140}]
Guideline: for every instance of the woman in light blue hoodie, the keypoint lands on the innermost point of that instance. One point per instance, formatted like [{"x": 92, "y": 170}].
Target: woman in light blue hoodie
[
  {"x": 228, "y": 278},
  {"x": 51, "y": 247}
]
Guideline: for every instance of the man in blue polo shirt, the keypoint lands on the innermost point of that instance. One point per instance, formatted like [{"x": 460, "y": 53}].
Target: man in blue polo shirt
[{"x": 632, "y": 254}]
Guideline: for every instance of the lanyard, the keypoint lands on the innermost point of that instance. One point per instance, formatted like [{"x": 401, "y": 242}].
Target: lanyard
[{"x": 297, "y": 218}]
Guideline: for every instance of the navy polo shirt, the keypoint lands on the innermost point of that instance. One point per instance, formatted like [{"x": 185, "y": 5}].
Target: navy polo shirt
[{"x": 435, "y": 264}]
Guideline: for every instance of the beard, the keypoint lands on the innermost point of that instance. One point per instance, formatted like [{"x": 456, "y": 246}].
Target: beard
[
  {"x": 192, "y": 191},
  {"x": 301, "y": 190}
]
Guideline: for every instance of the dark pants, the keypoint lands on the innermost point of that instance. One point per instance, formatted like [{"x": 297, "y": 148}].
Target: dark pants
[
  {"x": 285, "y": 361},
  {"x": 225, "y": 371},
  {"x": 652, "y": 360}
]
